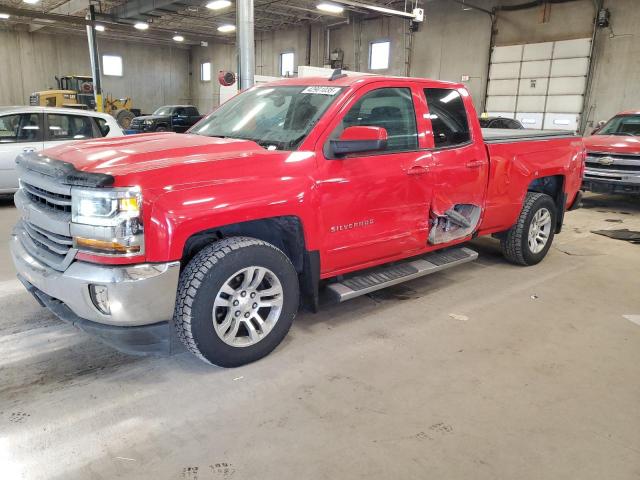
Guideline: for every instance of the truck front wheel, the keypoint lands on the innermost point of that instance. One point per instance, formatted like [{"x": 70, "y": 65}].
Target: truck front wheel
[
  {"x": 529, "y": 240},
  {"x": 237, "y": 299}
]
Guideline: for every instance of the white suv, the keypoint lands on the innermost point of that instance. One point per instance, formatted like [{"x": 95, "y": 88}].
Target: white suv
[{"x": 28, "y": 129}]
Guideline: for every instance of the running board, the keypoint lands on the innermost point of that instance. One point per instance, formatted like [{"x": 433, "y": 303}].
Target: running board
[{"x": 370, "y": 280}]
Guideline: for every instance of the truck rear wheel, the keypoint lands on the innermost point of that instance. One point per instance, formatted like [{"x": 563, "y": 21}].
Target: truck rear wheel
[
  {"x": 237, "y": 299},
  {"x": 529, "y": 240}
]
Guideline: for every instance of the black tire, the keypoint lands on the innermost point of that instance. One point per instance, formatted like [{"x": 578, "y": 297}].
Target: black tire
[
  {"x": 515, "y": 244},
  {"x": 202, "y": 280},
  {"x": 124, "y": 118},
  {"x": 162, "y": 128}
]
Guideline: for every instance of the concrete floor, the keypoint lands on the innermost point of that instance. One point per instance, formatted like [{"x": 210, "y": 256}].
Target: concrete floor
[{"x": 535, "y": 376}]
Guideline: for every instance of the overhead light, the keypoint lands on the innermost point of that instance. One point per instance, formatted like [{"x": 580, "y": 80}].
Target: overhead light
[
  {"x": 31, "y": 2},
  {"x": 141, "y": 25},
  {"x": 330, "y": 7},
  {"x": 218, "y": 4},
  {"x": 227, "y": 28},
  {"x": 99, "y": 28},
  {"x": 4, "y": 16},
  {"x": 178, "y": 38}
]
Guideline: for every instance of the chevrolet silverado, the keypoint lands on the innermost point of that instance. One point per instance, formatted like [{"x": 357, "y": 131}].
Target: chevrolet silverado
[
  {"x": 336, "y": 186},
  {"x": 613, "y": 156}
]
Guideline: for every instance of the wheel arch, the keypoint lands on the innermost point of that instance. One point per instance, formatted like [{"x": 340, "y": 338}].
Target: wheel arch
[
  {"x": 554, "y": 186},
  {"x": 284, "y": 232}
]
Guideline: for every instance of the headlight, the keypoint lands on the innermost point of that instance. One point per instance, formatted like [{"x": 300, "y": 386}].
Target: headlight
[
  {"x": 148, "y": 122},
  {"x": 107, "y": 221}
]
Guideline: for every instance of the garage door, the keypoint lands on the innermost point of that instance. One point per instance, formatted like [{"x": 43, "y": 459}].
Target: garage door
[{"x": 541, "y": 84}]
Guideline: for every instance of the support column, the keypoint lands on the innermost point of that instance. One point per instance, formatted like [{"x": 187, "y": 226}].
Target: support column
[
  {"x": 245, "y": 43},
  {"x": 94, "y": 58}
]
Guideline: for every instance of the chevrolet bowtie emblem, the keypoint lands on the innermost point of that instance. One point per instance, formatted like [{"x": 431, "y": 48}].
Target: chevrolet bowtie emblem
[{"x": 605, "y": 161}]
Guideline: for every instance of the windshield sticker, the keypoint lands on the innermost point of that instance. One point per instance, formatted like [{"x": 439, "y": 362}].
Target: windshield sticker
[{"x": 322, "y": 90}]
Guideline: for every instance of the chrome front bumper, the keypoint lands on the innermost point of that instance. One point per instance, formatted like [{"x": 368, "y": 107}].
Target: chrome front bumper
[{"x": 138, "y": 295}]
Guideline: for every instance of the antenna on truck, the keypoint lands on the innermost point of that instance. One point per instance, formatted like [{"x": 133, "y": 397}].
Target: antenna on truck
[{"x": 337, "y": 73}]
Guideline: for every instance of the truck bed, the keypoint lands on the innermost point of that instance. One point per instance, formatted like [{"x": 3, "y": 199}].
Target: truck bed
[{"x": 505, "y": 135}]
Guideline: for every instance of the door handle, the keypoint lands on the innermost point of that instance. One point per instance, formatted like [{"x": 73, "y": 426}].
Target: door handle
[
  {"x": 417, "y": 170},
  {"x": 475, "y": 164}
]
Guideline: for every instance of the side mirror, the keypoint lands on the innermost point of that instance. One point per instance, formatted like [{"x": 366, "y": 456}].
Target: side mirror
[{"x": 359, "y": 139}]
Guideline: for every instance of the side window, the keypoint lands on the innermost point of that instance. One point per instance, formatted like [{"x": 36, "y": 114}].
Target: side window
[
  {"x": 192, "y": 112},
  {"x": 19, "y": 128},
  {"x": 69, "y": 127},
  {"x": 389, "y": 108},
  {"x": 103, "y": 126},
  {"x": 178, "y": 112},
  {"x": 448, "y": 117}
]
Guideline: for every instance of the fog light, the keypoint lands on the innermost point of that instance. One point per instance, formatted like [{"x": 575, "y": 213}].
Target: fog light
[{"x": 100, "y": 297}]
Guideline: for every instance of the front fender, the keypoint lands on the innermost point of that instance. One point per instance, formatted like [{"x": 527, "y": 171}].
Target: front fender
[{"x": 178, "y": 214}]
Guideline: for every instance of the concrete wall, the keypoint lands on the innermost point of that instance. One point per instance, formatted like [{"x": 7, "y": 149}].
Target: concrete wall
[
  {"x": 451, "y": 43},
  {"x": 152, "y": 75},
  {"x": 269, "y": 46},
  {"x": 616, "y": 75}
]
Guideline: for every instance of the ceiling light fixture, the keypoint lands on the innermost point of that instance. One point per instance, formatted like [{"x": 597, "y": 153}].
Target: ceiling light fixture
[
  {"x": 4, "y": 16},
  {"x": 141, "y": 25},
  {"x": 178, "y": 38},
  {"x": 99, "y": 28},
  {"x": 330, "y": 7},
  {"x": 227, "y": 28},
  {"x": 218, "y": 4},
  {"x": 31, "y": 2}
]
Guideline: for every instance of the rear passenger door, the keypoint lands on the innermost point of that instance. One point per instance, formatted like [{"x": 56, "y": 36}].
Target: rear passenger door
[
  {"x": 21, "y": 132},
  {"x": 460, "y": 164}
]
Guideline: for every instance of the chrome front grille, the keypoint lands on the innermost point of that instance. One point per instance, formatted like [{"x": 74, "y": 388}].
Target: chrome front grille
[
  {"x": 45, "y": 208},
  {"x": 613, "y": 163},
  {"x": 53, "y": 243},
  {"x": 48, "y": 199}
]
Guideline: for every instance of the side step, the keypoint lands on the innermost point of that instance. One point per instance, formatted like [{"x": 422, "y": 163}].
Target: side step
[{"x": 361, "y": 283}]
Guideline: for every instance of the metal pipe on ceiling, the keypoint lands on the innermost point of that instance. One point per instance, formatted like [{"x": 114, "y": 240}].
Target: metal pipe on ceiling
[{"x": 245, "y": 43}]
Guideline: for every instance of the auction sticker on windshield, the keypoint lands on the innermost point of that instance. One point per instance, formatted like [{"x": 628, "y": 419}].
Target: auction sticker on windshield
[{"x": 322, "y": 90}]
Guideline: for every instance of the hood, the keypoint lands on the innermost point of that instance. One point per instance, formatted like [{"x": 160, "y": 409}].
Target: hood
[
  {"x": 119, "y": 156},
  {"x": 622, "y": 144},
  {"x": 152, "y": 117}
]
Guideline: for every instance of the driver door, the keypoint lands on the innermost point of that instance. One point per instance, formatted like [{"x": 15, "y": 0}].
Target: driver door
[{"x": 373, "y": 204}]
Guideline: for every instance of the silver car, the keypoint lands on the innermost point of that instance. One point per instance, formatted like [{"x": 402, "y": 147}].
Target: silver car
[{"x": 28, "y": 129}]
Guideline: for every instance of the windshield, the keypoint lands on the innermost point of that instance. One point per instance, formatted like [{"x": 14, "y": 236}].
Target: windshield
[
  {"x": 622, "y": 125},
  {"x": 163, "y": 111},
  {"x": 277, "y": 118}
]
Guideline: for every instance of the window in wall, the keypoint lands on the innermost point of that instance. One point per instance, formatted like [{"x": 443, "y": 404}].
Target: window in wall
[
  {"x": 205, "y": 71},
  {"x": 287, "y": 66},
  {"x": 448, "y": 117},
  {"x": 112, "y": 65},
  {"x": 389, "y": 108},
  {"x": 379, "y": 55}
]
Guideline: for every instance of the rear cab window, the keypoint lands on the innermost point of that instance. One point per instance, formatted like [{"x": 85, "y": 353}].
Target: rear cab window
[{"x": 448, "y": 117}]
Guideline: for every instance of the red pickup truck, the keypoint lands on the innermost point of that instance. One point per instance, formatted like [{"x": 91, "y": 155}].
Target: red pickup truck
[
  {"x": 613, "y": 156},
  {"x": 292, "y": 189}
]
